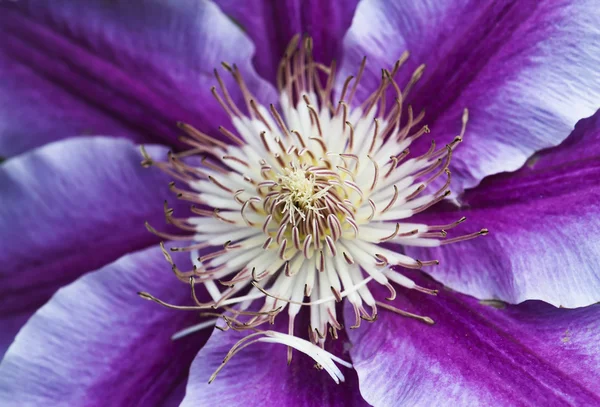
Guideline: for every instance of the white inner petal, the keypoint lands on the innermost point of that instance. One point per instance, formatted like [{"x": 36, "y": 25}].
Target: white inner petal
[{"x": 297, "y": 210}]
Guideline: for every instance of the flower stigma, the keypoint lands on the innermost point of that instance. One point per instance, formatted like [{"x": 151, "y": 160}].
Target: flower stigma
[{"x": 306, "y": 203}]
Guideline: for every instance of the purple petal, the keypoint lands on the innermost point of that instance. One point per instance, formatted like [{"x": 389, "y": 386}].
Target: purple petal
[
  {"x": 122, "y": 68},
  {"x": 260, "y": 374},
  {"x": 526, "y": 71},
  {"x": 96, "y": 343},
  {"x": 177, "y": 394},
  {"x": 68, "y": 208},
  {"x": 10, "y": 325},
  {"x": 474, "y": 354},
  {"x": 272, "y": 24},
  {"x": 544, "y": 222}
]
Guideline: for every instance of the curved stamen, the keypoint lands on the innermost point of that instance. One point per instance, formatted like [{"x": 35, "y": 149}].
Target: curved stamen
[{"x": 304, "y": 194}]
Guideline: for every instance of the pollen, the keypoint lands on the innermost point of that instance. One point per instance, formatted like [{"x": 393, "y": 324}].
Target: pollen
[
  {"x": 300, "y": 192},
  {"x": 307, "y": 202}
]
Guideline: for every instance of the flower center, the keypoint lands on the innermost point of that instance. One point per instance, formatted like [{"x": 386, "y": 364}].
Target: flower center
[
  {"x": 301, "y": 194},
  {"x": 298, "y": 198},
  {"x": 309, "y": 206},
  {"x": 293, "y": 211}
]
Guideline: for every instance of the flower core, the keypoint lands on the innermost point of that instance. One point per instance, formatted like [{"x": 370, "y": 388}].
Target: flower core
[{"x": 307, "y": 204}]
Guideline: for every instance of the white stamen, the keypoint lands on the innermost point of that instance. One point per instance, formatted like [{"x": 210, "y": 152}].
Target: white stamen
[
  {"x": 194, "y": 328},
  {"x": 301, "y": 201}
]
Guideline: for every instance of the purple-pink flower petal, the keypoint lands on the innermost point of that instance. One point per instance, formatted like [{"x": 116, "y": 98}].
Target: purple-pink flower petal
[
  {"x": 272, "y": 24},
  {"x": 10, "y": 323},
  {"x": 68, "y": 208},
  {"x": 259, "y": 375},
  {"x": 96, "y": 343},
  {"x": 476, "y": 354},
  {"x": 527, "y": 71},
  {"x": 544, "y": 222},
  {"x": 123, "y": 68}
]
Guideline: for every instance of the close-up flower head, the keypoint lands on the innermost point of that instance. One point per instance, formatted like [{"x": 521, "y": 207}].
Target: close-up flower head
[{"x": 299, "y": 203}]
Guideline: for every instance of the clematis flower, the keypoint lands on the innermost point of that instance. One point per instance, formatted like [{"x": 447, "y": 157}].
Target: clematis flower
[{"x": 525, "y": 73}]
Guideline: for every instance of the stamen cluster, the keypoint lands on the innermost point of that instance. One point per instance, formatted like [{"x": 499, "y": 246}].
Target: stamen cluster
[{"x": 306, "y": 204}]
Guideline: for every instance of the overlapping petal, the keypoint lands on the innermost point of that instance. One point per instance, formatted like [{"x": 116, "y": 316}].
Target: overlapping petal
[
  {"x": 96, "y": 343},
  {"x": 526, "y": 71},
  {"x": 128, "y": 69},
  {"x": 272, "y": 24},
  {"x": 259, "y": 375},
  {"x": 544, "y": 223},
  {"x": 68, "y": 208},
  {"x": 475, "y": 354},
  {"x": 11, "y": 323}
]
